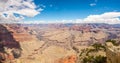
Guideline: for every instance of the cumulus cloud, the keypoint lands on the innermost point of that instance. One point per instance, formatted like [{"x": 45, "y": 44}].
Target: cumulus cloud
[
  {"x": 108, "y": 17},
  {"x": 8, "y": 9}
]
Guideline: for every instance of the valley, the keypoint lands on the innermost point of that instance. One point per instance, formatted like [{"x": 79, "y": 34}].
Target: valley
[{"x": 47, "y": 43}]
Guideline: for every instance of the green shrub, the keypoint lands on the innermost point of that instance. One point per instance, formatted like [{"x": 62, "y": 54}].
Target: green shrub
[
  {"x": 96, "y": 59},
  {"x": 113, "y": 42}
]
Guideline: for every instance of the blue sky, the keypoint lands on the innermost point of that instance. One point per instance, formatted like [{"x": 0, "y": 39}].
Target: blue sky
[
  {"x": 73, "y": 9},
  {"x": 65, "y": 11}
]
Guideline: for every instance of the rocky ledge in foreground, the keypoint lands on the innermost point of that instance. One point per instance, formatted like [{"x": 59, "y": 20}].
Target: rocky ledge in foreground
[{"x": 9, "y": 47}]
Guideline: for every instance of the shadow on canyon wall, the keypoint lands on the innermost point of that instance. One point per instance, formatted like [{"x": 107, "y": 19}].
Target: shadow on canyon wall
[{"x": 8, "y": 45}]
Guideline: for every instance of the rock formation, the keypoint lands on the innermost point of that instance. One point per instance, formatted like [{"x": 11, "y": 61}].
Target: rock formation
[
  {"x": 112, "y": 53},
  {"x": 7, "y": 45},
  {"x": 68, "y": 59}
]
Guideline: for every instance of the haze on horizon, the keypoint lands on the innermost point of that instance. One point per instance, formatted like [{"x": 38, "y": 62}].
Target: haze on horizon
[{"x": 60, "y": 11}]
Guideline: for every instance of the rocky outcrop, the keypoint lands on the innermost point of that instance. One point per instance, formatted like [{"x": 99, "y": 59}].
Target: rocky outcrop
[
  {"x": 6, "y": 38},
  {"x": 112, "y": 53},
  {"x": 68, "y": 59},
  {"x": 20, "y": 33},
  {"x": 9, "y": 47}
]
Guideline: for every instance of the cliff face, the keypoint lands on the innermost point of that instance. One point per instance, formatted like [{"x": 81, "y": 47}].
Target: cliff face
[
  {"x": 20, "y": 33},
  {"x": 6, "y": 38},
  {"x": 112, "y": 53},
  {"x": 9, "y": 47}
]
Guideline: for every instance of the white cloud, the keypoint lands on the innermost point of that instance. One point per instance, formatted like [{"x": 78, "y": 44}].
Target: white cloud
[
  {"x": 109, "y": 18},
  {"x": 92, "y": 4},
  {"x": 21, "y": 7}
]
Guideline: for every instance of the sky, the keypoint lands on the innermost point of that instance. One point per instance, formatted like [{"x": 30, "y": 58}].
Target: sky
[{"x": 60, "y": 11}]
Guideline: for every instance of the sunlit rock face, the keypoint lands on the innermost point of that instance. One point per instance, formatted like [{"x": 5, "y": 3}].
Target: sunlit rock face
[
  {"x": 68, "y": 59},
  {"x": 20, "y": 33},
  {"x": 112, "y": 53}
]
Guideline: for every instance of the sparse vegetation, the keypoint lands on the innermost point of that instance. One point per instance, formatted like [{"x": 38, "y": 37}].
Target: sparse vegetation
[
  {"x": 94, "y": 59},
  {"x": 98, "y": 46},
  {"x": 87, "y": 55},
  {"x": 16, "y": 53},
  {"x": 113, "y": 42},
  {"x": 74, "y": 48}
]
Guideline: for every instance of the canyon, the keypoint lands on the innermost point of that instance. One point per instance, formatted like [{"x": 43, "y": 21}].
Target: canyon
[{"x": 49, "y": 43}]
